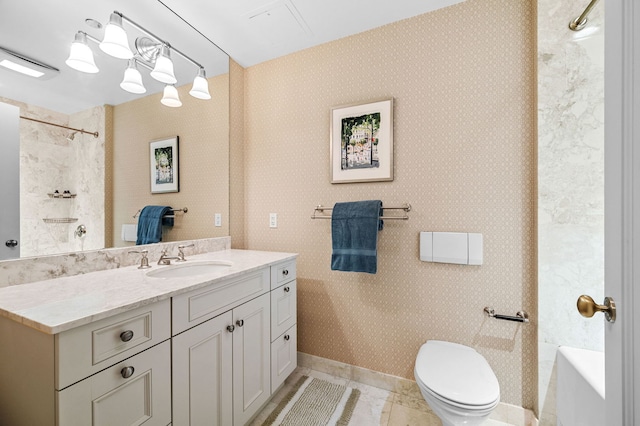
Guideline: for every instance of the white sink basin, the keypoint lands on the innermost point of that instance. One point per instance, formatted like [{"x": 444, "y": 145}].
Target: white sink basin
[{"x": 190, "y": 269}]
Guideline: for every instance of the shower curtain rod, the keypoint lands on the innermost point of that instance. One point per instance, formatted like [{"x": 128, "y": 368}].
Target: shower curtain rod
[
  {"x": 95, "y": 134},
  {"x": 579, "y": 23}
]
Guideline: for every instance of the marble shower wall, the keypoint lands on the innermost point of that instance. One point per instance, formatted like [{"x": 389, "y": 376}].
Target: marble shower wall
[
  {"x": 49, "y": 162},
  {"x": 570, "y": 184}
]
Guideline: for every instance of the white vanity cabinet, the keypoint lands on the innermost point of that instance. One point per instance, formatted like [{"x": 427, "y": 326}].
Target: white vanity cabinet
[
  {"x": 112, "y": 371},
  {"x": 203, "y": 354},
  {"x": 222, "y": 366}
]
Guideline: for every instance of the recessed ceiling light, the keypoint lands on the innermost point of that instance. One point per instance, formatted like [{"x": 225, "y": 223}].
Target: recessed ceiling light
[
  {"x": 21, "y": 69},
  {"x": 93, "y": 23}
]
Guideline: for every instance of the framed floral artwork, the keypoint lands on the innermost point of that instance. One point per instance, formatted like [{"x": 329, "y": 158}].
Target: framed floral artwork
[{"x": 164, "y": 166}]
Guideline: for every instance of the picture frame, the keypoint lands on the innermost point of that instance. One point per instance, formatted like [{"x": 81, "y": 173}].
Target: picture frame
[
  {"x": 361, "y": 142},
  {"x": 164, "y": 165}
]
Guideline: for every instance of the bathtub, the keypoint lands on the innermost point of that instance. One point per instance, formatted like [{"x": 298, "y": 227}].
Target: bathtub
[{"x": 580, "y": 391}]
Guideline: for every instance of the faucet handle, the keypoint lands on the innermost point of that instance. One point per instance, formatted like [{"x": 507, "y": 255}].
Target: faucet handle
[
  {"x": 181, "y": 248},
  {"x": 144, "y": 261}
]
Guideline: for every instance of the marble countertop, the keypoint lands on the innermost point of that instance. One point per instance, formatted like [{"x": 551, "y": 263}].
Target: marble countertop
[{"x": 60, "y": 304}]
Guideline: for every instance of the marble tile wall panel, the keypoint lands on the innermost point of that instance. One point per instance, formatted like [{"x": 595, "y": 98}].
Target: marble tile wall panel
[{"x": 570, "y": 184}]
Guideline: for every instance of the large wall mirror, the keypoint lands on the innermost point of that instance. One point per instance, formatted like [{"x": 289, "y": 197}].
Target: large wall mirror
[{"x": 109, "y": 177}]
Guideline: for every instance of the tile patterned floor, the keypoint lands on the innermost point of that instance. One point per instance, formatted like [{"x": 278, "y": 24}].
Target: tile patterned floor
[{"x": 376, "y": 407}]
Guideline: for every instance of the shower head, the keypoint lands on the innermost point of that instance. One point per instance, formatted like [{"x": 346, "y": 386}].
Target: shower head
[
  {"x": 71, "y": 136},
  {"x": 581, "y": 21}
]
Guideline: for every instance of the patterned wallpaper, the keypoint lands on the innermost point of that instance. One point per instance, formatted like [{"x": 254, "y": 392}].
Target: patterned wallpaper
[
  {"x": 463, "y": 81},
  {"x": 203, "y": 130}
]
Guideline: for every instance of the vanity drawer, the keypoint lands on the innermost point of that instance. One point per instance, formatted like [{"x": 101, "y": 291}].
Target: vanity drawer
[
  {"x": 283, "y": 308},
  {"x": 284, "y": 357},
  {"x": 282, "y": 273},
  {"x": 132, "y": 392},
  {"x": 198, "y": 306},
  {"x": 86, "y": 350}
]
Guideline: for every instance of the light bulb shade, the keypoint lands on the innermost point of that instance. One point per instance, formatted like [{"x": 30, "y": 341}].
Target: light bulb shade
[
  {"x": 200, "y": 88},
  {"x": 170, "y": 97},
  {"x": 132, "y": 81},
  {"x": 115, "y": 42},
  {"x": 81, "y": 56},
  {"x": 163, "y": 70}
]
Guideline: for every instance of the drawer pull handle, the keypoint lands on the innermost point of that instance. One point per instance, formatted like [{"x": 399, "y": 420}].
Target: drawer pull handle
[
  {"x": 287, "y": 289},
  {"x": 127, "y": 372},
  {"x": 285, "y": 272},
  {"x": 240, "y": 323},
  {"x": 125, "y": 336},
  {"x": 287, "y": 337},
  {"x": 230, "y": 328}
]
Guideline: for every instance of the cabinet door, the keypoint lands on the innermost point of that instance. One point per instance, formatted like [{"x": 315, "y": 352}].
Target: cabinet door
[
  {"x": 202, "y": 371},
  {"x": 284, "y": 357},
  {"x": 132, "y": 392},
  {"x": 251, "y": 358}
]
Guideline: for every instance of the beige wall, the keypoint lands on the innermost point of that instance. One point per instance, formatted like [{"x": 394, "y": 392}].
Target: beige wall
[
  {"x": 463, "y": 81},
  {"x": 236, "y": 154},
  {"x": 203, "y": 129}
]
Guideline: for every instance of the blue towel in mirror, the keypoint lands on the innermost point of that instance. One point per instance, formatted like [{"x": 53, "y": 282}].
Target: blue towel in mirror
[
  {"x": 354, "y": 234},
  {"x": 150, "y": 224}
]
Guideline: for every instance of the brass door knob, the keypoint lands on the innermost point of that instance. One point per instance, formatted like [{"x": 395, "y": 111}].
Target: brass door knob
[{"x": 587, "y": 307}]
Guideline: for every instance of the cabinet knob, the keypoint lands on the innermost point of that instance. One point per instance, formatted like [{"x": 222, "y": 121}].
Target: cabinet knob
[
  {"x": 11, "y": 243},
  {"x": 230, "y": 328},
  {"x": 127, "y": 372},
  {"x": 287, "y": 289},
  {"x": 285, "y": 272},
  {"x": 125, "y": 336},
  {"x": 240, "y": 323},
  {"x": 287, "y": 337}
]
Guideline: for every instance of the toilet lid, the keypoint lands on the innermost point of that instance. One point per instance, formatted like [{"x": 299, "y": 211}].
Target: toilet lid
[{"x": 456, "y": 373}]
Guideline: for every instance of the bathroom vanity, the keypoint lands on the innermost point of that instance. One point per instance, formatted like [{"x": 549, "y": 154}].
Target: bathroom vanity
[{"x": 207, "y": 341}]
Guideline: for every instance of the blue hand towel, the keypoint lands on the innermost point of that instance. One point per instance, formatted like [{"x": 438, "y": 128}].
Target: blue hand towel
[
  {"x": 150, "y": 224},
  {"x": 354, "y": 233}
]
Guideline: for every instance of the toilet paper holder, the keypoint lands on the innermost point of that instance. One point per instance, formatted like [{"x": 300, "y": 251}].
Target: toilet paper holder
[{"x": 521, "y": 316}]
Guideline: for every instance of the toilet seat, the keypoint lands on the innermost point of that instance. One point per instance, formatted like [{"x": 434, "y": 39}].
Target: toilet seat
[{"x": 457, "y": 375}]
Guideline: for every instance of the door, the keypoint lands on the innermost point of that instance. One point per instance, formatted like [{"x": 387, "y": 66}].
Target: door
[
  {"x": 10, "y": 178},
  {"x": 202, "y": 374},
  {"x": 251, "y": 358},
  {"x": 622, "y": 208}
]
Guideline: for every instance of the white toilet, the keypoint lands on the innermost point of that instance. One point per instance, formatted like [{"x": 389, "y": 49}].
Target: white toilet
[{"x": 457, "y": 383}]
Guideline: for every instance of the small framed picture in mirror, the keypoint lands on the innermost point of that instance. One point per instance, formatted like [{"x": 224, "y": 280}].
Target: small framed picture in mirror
[{"x": 164, "y": 165}]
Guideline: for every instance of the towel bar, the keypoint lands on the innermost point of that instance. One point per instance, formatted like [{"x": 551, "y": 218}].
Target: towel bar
[
  {"x": 405, "y": 207},
  {"x": 183, "y": 210}
]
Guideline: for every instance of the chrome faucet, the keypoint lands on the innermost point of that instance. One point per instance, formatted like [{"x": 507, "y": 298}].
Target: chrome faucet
[
  {"x": 166, "y": 260},
  {"x": 181, "y": 248}
]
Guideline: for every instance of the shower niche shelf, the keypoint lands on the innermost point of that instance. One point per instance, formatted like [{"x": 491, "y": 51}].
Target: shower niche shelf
[{"x": 60, "y": 220}]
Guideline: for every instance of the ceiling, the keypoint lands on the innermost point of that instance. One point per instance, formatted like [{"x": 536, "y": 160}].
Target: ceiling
[{"x": 250, "y": 31}]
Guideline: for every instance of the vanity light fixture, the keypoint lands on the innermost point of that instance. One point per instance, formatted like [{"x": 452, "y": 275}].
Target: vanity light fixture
[
  {"x": 81, "y": 57},
  {"x": 132, "y": 81},
  {"x": 151, "y": 52},
  {"x": 170, "y": 96}
]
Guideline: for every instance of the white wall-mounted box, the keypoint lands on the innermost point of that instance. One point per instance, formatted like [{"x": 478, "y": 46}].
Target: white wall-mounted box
[{"x": 459, "y": 248}]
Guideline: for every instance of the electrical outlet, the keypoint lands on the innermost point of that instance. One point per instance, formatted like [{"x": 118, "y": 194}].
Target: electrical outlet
[
  {"x": 273, "y": 220},
  {"x": 218, "y": 219}
]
